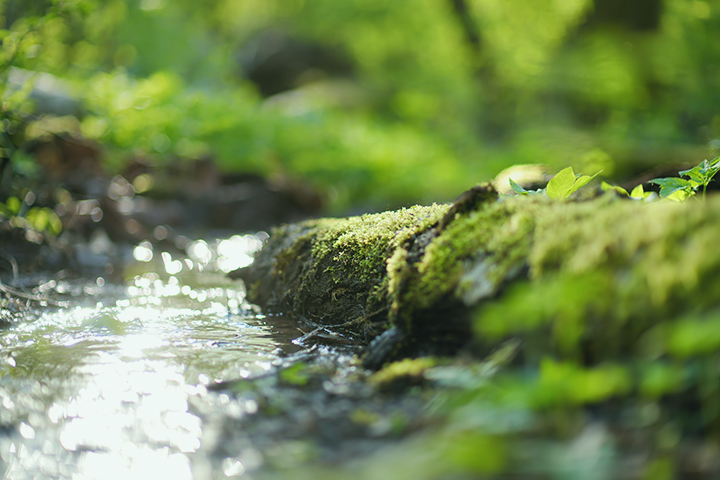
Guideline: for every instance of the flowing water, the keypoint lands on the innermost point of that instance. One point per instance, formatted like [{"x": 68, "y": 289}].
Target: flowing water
[{"x": 106, "y": 385}]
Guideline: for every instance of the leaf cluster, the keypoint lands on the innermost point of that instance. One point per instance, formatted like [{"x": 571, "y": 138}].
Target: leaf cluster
[
  {"x": 638, "y": 192},
  {"x": 680, "y": 189},
  {"x": 562, "y": 185}
]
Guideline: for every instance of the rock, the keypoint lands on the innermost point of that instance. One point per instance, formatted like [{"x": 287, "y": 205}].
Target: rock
[
  {"x": 352, "y": 274},
  {"x": 334, "y": 271},
  {"x": 586, "y": 281}
]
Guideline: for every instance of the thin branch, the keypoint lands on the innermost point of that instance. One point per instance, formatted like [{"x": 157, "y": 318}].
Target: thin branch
[
  {"x": 35, "y": 298},
  {"x": 13, "y": 264}
]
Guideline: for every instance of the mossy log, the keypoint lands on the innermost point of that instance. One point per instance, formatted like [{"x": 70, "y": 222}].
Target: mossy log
[{"x": 586, "y": 280}]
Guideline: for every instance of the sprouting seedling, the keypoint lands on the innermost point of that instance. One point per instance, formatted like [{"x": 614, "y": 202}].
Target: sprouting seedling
[
  {"x": 680, "y": 189},
  {"x": 562, "y": 185}
]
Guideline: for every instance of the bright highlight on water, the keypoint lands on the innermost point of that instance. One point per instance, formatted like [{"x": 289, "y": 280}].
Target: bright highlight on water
[{"x": 106, "y": 389}]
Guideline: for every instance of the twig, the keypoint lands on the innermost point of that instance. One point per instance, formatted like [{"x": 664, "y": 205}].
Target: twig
[
  {"x": 27, "y": 296},
  {"x": 316, "y": 331},
  {"x": 13, "y": 264}
]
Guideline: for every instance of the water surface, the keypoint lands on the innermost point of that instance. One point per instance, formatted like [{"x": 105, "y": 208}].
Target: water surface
[{"x": 103, "y": 387}]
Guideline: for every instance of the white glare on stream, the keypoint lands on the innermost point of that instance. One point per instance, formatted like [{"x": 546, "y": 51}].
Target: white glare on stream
[{"x": 106, "y": 391}]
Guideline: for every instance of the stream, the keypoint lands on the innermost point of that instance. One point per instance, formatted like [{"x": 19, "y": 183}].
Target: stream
[{"x": 119, "y": 381}]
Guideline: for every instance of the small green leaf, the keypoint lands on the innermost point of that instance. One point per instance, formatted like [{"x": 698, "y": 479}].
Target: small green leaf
[
  {"x": 674, "y": 188},
  {"x": 697, "y": 174},
  {"x": 639, "y": 192},
  {"x": 703, "y": 173},
  {"x": 517, "y": 188},
  {"x": 521, "y": 191},
  {"x": 681, "y": 195},
  {"x": 560, "y": 185},
  {"x": 606, "y": 187},
  {"x": 581, "y": 182},
  {"x": 712, "y": 169}
]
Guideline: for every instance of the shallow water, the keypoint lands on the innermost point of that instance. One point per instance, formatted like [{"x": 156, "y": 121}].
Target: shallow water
[{"x": 105, "y": 386}]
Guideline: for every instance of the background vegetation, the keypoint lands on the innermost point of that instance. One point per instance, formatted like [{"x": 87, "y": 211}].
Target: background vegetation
[{"x": 375, "y": 103}]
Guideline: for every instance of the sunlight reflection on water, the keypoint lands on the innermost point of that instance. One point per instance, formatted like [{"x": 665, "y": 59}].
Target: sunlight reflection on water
[{"x": 104, "y": 392}]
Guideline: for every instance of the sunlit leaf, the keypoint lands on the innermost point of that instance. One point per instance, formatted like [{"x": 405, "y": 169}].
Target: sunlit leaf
[
  {"x": 560, "y": 185},
  {"x": 639, "y": 192},
  {"x": 697, "y": 174},
  {"x": 606, "y": 187},
  {"x": 581, "y": 182},
  {"x": 679, "y": 187}
]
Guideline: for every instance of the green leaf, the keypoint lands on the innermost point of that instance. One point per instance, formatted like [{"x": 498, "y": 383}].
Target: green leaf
[
  {"x": 639, "y": 192},
  {"x": 713, "y": 168},
  {"x": 560, "y": 185},
  {"x": 681, "y": 195},
  {"x": 517, "y": 188},
  {"x": 565, "y": 183},
  {"x": 699, "y": 174},
  {"x": 581, "y": 182},
  {"x": 703, "y": 173},
  {"x": 674, "y": 188},
  {"x": 606, "y": 187},
  {"x": 521, "y": 191}
]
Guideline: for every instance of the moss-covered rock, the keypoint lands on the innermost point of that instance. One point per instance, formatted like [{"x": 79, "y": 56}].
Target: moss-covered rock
[
  {"x": 334, "y": 271},
  {"x": 586, "y": 281}
]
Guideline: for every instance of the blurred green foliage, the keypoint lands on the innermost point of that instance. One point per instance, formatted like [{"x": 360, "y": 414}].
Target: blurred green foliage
[
  {"x": 433, "y": 96},
  {"x": 39, "y": 219}
]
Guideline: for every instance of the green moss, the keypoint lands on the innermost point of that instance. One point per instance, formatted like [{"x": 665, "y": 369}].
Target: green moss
[
  {"x": 396, "y": 267},
  {"x": 497, "y": 234},
  {"x": 363, "y": 244},
  {"x": 469, "y": 260},
  {"x": 334, "y": 271},
  {"x": 402, "y": 373},
  {"x": 582, "y": 280},
  {"x": 359, "y": 247},
  {"x": 602, "y": 272}
]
